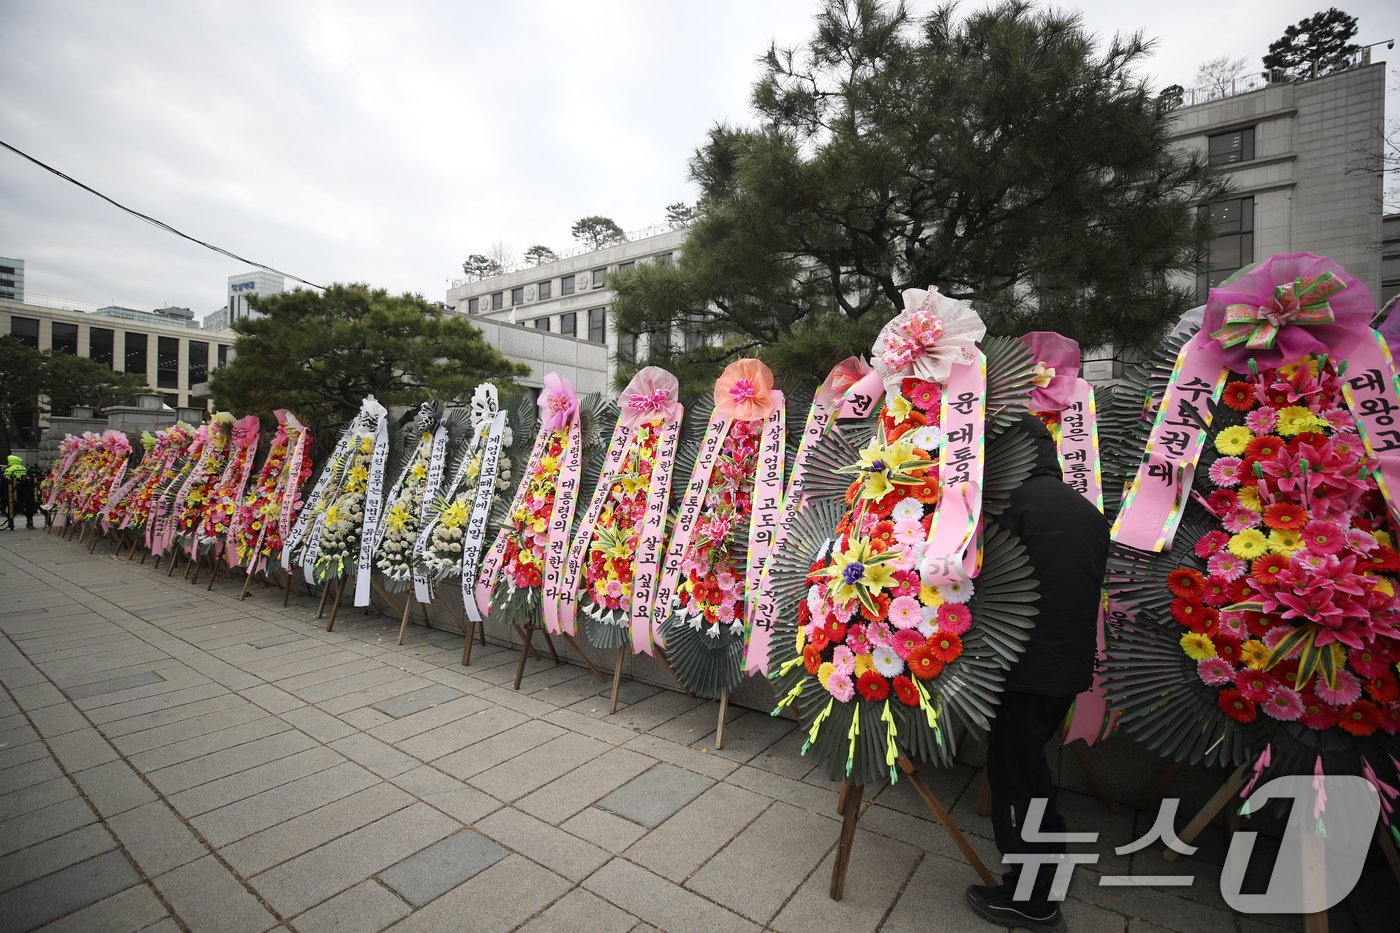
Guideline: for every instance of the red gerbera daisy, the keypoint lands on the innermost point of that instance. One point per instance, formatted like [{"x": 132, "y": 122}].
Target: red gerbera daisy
[
  {"x": 945, "y": 646},
  {"x": 834, "y": 630},
  {"x": 1237, "y": 706},
  {"x": 1286, "y": 516},
  {"x": 1263, "y": 447},
  {"x": 922, "y": 663},
  {"x": 1360, "y": 718},
  {"x": 811, "y": 659},
  {"x": 906, "y": 691},
  {"x": 1324, "y": 537},
  {"x": 1186, "y": 583},
  {"x": 926, "y": 396},
  {"x": 872, "y": 686},
  {"x": 1186, "y": 611},
  {"x": 1266, "y": 569},
  {"x": 1239, "y": 396}
]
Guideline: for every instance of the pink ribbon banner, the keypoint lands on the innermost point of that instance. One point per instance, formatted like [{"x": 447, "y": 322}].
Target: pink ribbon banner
[
  {"x": 1372, "y": 391},
  {"x": 491, "y": 566},
  {"x": 648, "y": 557},
  {"x": 767, "y": 496},
  {"x": 1153, "y": 504},
  {"x": 578, "y": 549},
  {"x": 1078, "y": 444},
  {"x": 560, "y": 521},
  {"x": 953, "y": 551},
  {"x": 685, "y": 524}
]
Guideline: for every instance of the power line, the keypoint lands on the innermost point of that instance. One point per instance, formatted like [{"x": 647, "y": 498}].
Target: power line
[{"x": 153, "y": 222}]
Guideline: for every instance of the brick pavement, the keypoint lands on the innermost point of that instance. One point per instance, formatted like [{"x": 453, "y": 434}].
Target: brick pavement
[{"x": 171, "y": 758}]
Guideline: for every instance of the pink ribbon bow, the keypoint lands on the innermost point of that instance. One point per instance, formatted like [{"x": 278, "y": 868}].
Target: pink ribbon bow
[
  {"x": 650, "y": 396},
  {"x": 1302, "y": 302}
]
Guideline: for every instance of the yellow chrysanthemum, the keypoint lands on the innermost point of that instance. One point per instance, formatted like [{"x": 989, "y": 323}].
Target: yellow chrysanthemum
[
  {"x": 864, "y": 662},
  {"x": 1285, "y": 541},
  {"x": 1232, "y": 441},
  {"x": 332, "y": 514},
  {"x": 1249, "y": 544},
  {"x": 1253, "y": 654},
  {"x": 1248, "y": 498},
  {"x": 420, "y": 472},
  {"x": 1198, "y": 647},
  {"x": 824, "y": 672}
]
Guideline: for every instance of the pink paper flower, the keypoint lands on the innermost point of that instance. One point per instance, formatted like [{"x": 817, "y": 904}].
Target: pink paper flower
[
  {"x": 650, "y": 396},
  {"x": 953, "y": 618},
  {"x": 558, "y": 403},
  {"x": 841, "y": 687},
  {"x": 1226, "y": 566},
  {"x": 742, "y": 392},
  {"x": 1057, "y": 360},
  {"x": 1262, "y": 420},
  {"x": 927, "y": 339}
]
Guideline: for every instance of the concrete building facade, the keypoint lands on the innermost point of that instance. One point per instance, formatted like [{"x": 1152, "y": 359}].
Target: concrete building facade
[
  {"x": 247, "y": 284},
  {"x": 11, "y": 279},
  {"x": 174, "y": 358},
  {"x": 567, "y": 298},
  {"x": 1293, "y": 152}
]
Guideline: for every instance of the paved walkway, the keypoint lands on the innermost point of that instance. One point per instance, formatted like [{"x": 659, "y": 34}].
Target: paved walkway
[{"x": 173, "y": 759}]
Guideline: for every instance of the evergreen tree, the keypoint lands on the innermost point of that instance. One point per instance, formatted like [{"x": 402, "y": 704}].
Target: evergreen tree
[
  {"x": 1003, "y": 158},
  {"x": 1322, "y": 40},
  {"x": 319, "y": 354},
  {"x": 596, "y": 232}
]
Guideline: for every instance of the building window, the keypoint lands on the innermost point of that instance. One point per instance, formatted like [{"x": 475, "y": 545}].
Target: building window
[
  {"x": 546, "y": 289},
  {"x": 517, "y": 296},
  {"x": 7, "y": 270},
  {"x": 1233, "y": 247},
  {"x": 597, "y": 325},
  {"x": 168, "y": 362},
  {"x": 135, "y": 353},
  {"x": 25, "y": 330},
  {"x": 600, "y": 276},
  {"x": 498, "y": 300},
  {"x": 1228, "y": 148},
  {"x": 665, "y": 259},
  {"x": 568, "y": 324},
  {"x": 627, "y": 345},
  {"x": 624, "y": 266},
  {"x": 473, "y": 305},
  {"x": 65, "y": 338},
  {"x": 566, "y": 285},
  {"x": 198, "y": 365},
  {"x": 100, "y": 343},
  {"x": 541, "y": 323},
  {"x": 223, "y": 355}
]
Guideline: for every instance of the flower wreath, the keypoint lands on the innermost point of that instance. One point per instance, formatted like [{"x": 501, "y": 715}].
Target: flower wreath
[
  {"x": 53, "y": 488},
  {"x": 409, "y": 494},
  {"x": 181, "y": 504},
  {"x": 107, "y": 466},
  {"x": 723, "y": 532},
  {"x": 264, "y": 517},
  {"x": 1269, "y": 632},
  {"x": 615, "y": 555},
  {"x": 118, "y": 499},
  {"x": 450, "y": 539},
  {"x": 878, "y": 648},
  {"x": 171, "y": 447},
  {"x": 227, "y": 492},
  {"x": 349, "y": 523}
]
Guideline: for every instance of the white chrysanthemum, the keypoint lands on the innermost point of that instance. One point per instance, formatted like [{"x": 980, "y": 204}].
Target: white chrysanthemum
[
  {"x": 928, "y": 625},
  {"x": 887, "y": 663},
  {"x": 955, "y": 591}
]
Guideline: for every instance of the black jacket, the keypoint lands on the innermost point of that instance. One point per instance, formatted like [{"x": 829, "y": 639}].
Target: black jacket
[{"x": 1066, "y": 539}]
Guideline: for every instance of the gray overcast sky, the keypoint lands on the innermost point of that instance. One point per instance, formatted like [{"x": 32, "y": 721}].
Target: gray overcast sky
[{"x": 379, "y": 142}]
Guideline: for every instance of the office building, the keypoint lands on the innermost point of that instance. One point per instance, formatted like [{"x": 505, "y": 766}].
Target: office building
[{"x": 11, "y": 279}]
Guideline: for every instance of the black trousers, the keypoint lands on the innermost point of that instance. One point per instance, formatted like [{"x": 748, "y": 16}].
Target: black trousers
[{"x": 1019, "y": 773}]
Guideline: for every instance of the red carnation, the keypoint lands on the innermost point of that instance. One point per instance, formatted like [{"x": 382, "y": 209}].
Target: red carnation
[{"x": 872, "y": 686}]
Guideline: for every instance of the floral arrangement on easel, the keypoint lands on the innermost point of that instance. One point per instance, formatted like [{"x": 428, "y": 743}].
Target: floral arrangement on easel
[
  {"x": 514, "y": 572},
  {"x": 723, "y": 531},
  {"x": 265, "y": 516},
  {"x": 883, "y": 639},
  {"x": 615, "y": 555},
  {"x": 119, "y": 498},
  {"x": 134, "y": 509},
  {"x": 104, "y": 469},
  {"x": 180, "y": 505},
  {"x": 451, "y": 543},
  {"x": 350, "y": 514},
  {"x": 1265, "y": 612},
  {"x": 407, "y": 497},
  {"x": 226, "y": 494},
  {"x": 57, "y": 489}
]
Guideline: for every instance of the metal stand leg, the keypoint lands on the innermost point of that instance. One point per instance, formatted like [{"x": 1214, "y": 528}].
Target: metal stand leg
[
  {"x": 617, "y": 678},
  {"x": 335, "y": 607},
  {"x": 723, "y": 710}
]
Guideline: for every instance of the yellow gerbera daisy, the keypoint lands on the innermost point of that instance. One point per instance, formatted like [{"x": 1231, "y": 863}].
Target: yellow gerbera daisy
[
  {"x": 824, "y": 672},
  {"x": 1232, "y": 441},
  {"x": 1253, "y": 654},
  {"x": 1248, "y": 498},
  {"x": 864, "y": 662},
  {"x": 1198, "y": 647},
  {"x": 1249, "y": 544},
  {"x": 1285, "y": 541}
]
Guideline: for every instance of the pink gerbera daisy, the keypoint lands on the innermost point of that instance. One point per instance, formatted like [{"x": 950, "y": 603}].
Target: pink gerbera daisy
[
  {"x": 1226, "y": 566},
  {"x": 954, "y": 618},
  {"x": 905, "y": 612},
  {"x": 1238, "y": 520},
  {"x": 1284, "y": 704},
  {"x": 1346, "y": 690},
  {"x": 1215, "y": 671},
  {"x": 1262, "y": 420},
  {"x": 1225, "y": 471},
  {"x": 841, "y": 686},
  {"x": 1324, "y": 537},
  {"x": 1256, "y": 685},
  {"x": 1210, "y": 542}
]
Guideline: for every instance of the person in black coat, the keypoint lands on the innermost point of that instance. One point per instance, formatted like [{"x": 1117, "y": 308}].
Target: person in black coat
[
  {"x": 1066, "y": 541},
  {"x": 20, "y": 492}
]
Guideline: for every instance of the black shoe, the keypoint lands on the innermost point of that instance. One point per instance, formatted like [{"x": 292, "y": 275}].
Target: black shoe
[{"x": 994, "y": 906}]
